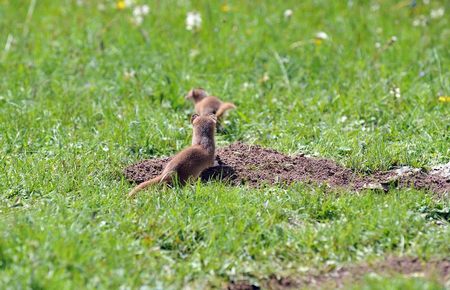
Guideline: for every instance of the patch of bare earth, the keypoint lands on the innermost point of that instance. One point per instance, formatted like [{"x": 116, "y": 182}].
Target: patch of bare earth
[
  {"x": 240, "y": 163},
  {"x": 438, "y": 270}
]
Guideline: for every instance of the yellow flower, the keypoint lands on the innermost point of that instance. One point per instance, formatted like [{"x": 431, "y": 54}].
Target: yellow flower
[
  {"x": 444, "y": 99},
  {"x": 225, "y": 8},
  {"x": 120, "y": 5}
]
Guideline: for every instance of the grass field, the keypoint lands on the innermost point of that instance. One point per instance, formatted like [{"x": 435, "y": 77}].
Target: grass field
[{"x": 86, "y": 91}]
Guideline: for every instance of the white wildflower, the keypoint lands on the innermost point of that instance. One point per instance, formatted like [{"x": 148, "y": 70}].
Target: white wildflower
[
  {"x": 141, "y": 10},
  {"x": 129, "y": 74},
  {"x": 321, "y": 35},
  {"x": 288, "y": 13},
  {"x": 437, "y": 13},
  {"x": 246, "y": 86},
  {"x": 394, "y": 39},
  {"x": 145, "y": 9},
  {"x": 426, "y": 2},
  {"x": 421, "y": 21},
  {"x": 395, "y": 91},
  {"x": 377, "y": 45},
  {"x": 193, "y": 20}
]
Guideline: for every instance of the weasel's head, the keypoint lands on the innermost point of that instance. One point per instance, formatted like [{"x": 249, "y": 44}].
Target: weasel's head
[
  {"x": 196, "y": 95},
  {"x": 206, "y": 121}
]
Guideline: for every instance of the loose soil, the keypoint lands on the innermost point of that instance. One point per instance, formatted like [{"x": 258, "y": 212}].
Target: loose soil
[
  {"x": 240, "y": 164},
  {"x": 438, "y": 270}
]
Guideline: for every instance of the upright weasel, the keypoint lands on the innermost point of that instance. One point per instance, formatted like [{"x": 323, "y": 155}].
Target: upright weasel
[
  {"x": 205, "y": 104},
  {"x": 190, "y": 162}
]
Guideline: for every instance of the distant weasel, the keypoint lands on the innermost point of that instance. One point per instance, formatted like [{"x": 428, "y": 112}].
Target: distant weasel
[
  {"x": 190, "y": 162},
  {"x": 205, "y": 104}
]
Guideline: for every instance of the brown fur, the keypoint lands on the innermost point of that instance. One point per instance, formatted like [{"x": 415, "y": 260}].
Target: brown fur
[
  {"x": 205, "y": 104},
  {"x": 190, "y": 162}
]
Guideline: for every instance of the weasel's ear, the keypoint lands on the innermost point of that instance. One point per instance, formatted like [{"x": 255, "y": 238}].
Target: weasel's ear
[
  {"x": 199, "y": 93},
  {"x": 199, "y": 90},
  {"x": 213, "y": 117},
  {"x": 190, "y": 95},
  {"x": 195, "y": 116}
]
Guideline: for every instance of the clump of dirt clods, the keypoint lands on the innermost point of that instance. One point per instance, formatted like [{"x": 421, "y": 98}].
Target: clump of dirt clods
[
  {"x": 438, "y": 269},
  {"x": 253, "y": 165}
]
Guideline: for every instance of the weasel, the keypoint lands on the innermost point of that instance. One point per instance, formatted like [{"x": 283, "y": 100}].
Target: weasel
[
  {"x": 190, "y": 162},
  {"x": 205, "y": 104}
]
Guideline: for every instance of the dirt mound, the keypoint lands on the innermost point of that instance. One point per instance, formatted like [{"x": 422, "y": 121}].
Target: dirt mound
[
  {"x": 240, "y": 163},
  {"x": 439, "y": 269}
]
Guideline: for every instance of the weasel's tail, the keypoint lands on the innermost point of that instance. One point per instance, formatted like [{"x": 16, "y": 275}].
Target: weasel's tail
[
  {"x": 223, "y": 108},
  {"x": 145, "y": 184}
]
